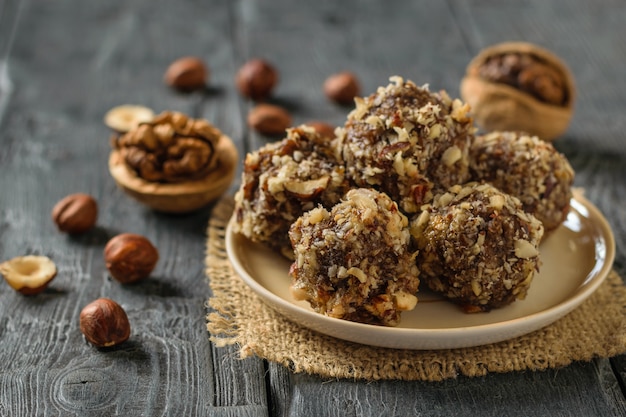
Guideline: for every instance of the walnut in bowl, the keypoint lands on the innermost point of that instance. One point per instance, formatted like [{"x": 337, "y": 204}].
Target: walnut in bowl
[
  {"x": 173, "y": 163},
  {"x": 519, "y": 86}
]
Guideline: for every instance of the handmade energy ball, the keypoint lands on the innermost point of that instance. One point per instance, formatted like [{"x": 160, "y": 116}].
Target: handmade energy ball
[
  {"x": 477, "y": 246},
  {"x": 282, "y": 180},
  {"x": 355, "y": 261},
  {"x": 528, "y": 168},
  {"x": 407, "y": 142}
]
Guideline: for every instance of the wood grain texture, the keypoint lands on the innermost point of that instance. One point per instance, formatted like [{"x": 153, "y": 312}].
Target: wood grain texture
[{"x": 73, "y": 60}]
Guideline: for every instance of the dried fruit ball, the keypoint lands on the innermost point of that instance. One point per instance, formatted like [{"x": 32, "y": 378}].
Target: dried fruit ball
[
  {"x": 477, "y": 246},
  {"x": 269, "y": 119},
  {"x": 130, "y": 257},
  {"x": 28, "y": 274},
  {"x": 104, "y": 323},
  {"x": 75, "y": 213},
  {"x": 408, "y": 142},
  {"x": 256, "y": 79},
  {"x": 187, "y": 73},
  {"x": 342, "y": 87},
  {"x": 126, "y": 117},
  {"x": 282, "y": 180},
  {"x": 355, "y": 261}
]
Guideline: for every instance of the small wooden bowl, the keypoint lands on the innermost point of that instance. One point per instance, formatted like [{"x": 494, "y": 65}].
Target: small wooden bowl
[{"x": 183, "y": 197}]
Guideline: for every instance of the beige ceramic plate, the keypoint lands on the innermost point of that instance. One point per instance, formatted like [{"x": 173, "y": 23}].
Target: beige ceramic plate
[{"x": 577, "y": 257}]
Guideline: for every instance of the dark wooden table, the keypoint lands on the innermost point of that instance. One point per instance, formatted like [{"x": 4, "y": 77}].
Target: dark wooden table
[{"x": 72, "y": 60}]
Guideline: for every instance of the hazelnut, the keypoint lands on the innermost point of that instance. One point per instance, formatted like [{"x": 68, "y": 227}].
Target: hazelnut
[
  {"x": 256, "y": 79},
  {"x": 126, "y": 117},
  {"x": 130, "y": 257},
  {"x": 324, "y": 129},
  {"x": 29, "y": 274},
  {"x": 75, "y": 213},
  {"x": 269, "y": 119},
  {"x": 104, "y": 323},
  {"x": 187, "y": 73},
  {"x": 519, "y": 86},
  {"x": 342, "y": 87}
]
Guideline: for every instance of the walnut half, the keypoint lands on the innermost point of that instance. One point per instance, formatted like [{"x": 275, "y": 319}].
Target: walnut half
[
  {"x": 173, "y": 163},
  {"x": 170, "y": 148},
  {"x": 519, "y": 86}
]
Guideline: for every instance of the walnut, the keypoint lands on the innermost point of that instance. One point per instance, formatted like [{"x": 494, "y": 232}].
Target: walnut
[
  {"x": 525, "y": 72},
  {"x": 518, "y": 86},
  {"x": 173, "y": 163},
  {"x": 171, "y": 148}
]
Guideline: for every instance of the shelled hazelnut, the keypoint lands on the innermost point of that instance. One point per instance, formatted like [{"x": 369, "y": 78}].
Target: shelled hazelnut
[
  {"x": 256, "y": 79},
  {"x": 187, "y": 73},
  {"x": 104, "y": 323},
  {"x": 130, "y": 257},
  {"x": 519, "y": 86},
  {"x": 269, "y": 119},
  {"x": 29, "y": 274},
  {"x": 75, "y": 213},
  {"x": 342, "y": 87},
  {"x": 125, "y": 117}
]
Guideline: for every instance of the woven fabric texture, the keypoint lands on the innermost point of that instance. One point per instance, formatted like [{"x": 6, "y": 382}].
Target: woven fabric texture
[{"x": 238, "y": 316}]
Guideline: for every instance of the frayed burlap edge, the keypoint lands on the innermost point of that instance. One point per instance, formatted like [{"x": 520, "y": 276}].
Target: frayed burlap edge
[{"x": 238, "y": 316}]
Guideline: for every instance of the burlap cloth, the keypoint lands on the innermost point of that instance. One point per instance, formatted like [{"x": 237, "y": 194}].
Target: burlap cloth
[{"x": 238, "y": 316}]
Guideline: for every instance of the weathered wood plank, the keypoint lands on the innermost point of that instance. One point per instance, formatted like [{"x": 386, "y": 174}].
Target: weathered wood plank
[
  {"x": 433, "y": 44},
  {"x": 70, "y": 64},
  {"x": 74, "y": 60},
  {"x": 575, "y": 390}
]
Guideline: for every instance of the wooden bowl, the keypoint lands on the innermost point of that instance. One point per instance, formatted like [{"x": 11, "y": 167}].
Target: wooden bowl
[{"x": 183, "y": 197}]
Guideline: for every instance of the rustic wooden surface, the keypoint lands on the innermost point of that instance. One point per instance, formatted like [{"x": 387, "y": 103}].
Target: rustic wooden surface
[{"x": 72, "y": 60}]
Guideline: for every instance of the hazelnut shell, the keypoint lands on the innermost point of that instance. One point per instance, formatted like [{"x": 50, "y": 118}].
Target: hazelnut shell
[
  {"x": 29, "y": 274},
  {"x": 497, "y": 106},
  {"x": 182, "y": 197}
]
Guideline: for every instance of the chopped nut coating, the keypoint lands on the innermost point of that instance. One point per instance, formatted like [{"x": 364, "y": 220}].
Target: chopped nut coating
[
  {"x": 407, "y": 142},
  {"x": 477, "y": 246},
  {"x": 284, "y": 179},
  {"x": 354, "y": 262},
  {"x": 528, "y": 168}
]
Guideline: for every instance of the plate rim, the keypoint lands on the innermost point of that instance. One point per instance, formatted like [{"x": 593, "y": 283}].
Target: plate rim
[{"x": 435, "y": 338}]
